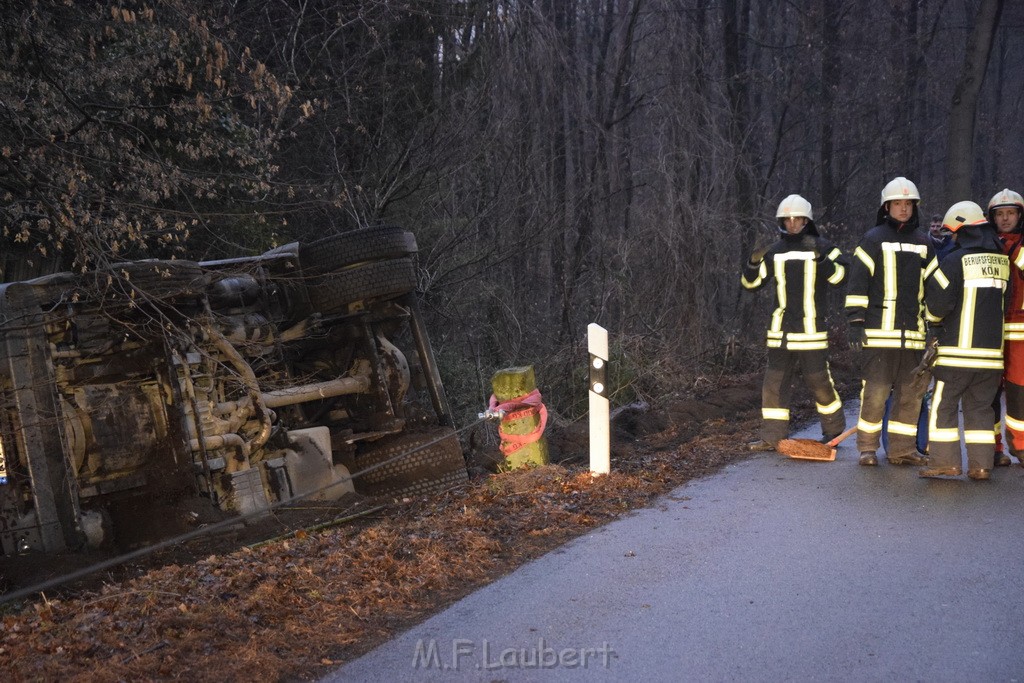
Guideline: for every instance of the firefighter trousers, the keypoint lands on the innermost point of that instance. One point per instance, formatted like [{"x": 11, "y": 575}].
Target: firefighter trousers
[
  {"x": 972, "y": 391},
  {"x": 777, "y": 391},
  {"x": 885, "y": 371},
  {"x": 1013, "y": 387},
  {"x": 1014, "y": 394}
]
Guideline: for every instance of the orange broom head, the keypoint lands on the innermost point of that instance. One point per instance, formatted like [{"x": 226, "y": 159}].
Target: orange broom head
[{"x": 806, "y": 449}]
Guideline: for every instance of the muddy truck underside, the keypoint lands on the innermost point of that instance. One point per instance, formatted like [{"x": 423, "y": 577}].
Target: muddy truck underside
[{"x": 230, "y": 385}]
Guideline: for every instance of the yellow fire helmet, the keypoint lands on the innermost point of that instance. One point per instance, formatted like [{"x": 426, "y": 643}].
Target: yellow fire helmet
[{"x": 961, "y": 214}]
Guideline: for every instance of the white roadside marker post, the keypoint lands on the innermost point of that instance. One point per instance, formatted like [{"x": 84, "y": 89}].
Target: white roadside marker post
[{"x": 600, "y": 443}]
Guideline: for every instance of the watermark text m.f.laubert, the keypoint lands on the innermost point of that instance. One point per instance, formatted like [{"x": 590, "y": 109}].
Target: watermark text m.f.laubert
[{"x": 484, "y": 654}]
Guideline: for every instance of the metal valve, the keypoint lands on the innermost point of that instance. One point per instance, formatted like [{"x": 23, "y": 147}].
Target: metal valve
[{"x": 492, "y": 414}]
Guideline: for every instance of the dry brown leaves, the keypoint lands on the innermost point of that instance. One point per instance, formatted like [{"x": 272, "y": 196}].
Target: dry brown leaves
[{"x": 298, "y": 607}]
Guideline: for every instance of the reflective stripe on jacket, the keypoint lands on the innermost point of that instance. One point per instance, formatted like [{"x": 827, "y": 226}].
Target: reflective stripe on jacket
[
  {"x": 1013, "y": 329},
  {"x": 966, "y": 295},
  {"x": 802, "y": 266},
  {"x": 886, "y": 289}
]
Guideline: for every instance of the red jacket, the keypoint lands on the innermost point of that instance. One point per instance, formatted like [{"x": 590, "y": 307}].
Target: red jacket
[{"x": 1013, "y": 330}]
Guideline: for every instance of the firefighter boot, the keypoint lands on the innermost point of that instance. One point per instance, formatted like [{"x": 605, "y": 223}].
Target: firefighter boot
[
  {"x": 932, "y": 472},
  {"x": 909, "y": 459}
]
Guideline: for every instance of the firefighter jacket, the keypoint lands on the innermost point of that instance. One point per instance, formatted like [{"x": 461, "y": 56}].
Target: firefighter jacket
[
  {"x": 966, "y": 295},
  {"x": 802, "y": 267},
  {"x": 886, "y": 287},
  {"x": 1013, "y": 329},
  {"x": 941, "y": 247}
]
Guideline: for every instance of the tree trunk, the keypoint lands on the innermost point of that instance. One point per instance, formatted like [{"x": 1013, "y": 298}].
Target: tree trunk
[
  {"x": 734, "y": 32},
  {"x": 830, "y": 83},
  {"x": 960, "y": 147}
]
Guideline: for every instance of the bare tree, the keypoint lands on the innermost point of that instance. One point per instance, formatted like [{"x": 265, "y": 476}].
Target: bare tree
[
  {"x": 560, "y": 162},
  {"x": 960, "y": 145}
]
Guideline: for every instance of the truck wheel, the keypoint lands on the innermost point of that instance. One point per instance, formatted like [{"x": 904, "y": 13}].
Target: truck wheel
[
  {"x": 430, "y": 469},
  {"x": 370, "y": 244},
  {"x": 375, "y": 280}
]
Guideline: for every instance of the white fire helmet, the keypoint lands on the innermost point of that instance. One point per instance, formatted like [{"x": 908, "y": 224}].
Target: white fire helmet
[
  {"x": 795, "y": 205},
  {"x": 899, "y": 188},
  {"x": 1006, "y": 197},
  {"x": 961, "y": 214}
]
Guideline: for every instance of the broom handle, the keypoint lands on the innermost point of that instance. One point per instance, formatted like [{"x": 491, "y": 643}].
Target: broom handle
[{"x": 835, "y": 442}]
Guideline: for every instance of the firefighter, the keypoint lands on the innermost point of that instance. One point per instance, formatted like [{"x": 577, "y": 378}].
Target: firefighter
[
  {"x": 883, "y": 306},
  {"x": 1006, "y": 213},
  {"x": 942, "y": 243},
  {"x": 965, "y": 294},
  {"x": 803, "y": 265},
  {"x": 941, "y": 239}
]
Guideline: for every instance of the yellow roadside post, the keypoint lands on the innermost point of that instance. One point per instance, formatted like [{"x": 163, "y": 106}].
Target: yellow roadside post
[{"x": 521, "y": 429}]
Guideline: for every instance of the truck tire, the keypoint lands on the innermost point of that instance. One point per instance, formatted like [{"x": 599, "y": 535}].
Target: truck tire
[
  {"x": 372, "y": 281},
  {"x": 421, "y": 469},
  {"x": 370, "y": 244}
]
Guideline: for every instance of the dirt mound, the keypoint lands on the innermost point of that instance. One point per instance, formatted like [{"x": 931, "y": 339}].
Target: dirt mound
[
  {"x": 673, "y": 419},
  {"x": 684, "y": 416}
]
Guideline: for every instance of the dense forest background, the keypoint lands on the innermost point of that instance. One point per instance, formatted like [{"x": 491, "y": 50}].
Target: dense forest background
[{"x": 560, "y": 161}]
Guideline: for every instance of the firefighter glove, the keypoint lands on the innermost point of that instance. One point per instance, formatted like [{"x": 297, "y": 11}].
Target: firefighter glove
[
  {"x": 858, "y": 337},
  {"x": 758, "y": 255}
]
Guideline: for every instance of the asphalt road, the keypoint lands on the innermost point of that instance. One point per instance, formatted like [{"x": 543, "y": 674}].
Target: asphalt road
[{"x": 771, "y": 570}]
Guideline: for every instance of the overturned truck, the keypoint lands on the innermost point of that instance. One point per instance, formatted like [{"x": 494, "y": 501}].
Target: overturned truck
[{"x": 232, "y": 385}]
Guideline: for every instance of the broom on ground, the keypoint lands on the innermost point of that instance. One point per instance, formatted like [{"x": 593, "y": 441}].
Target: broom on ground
[{"x": 809, "y": 449}]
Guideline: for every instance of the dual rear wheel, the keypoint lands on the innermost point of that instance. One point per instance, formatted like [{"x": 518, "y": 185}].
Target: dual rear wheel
[{"x": 357, "y": 269}]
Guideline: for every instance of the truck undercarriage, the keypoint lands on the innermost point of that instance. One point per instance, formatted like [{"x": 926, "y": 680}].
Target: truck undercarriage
[{"x": 242, "y": 383}]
